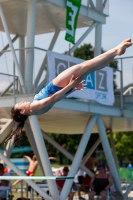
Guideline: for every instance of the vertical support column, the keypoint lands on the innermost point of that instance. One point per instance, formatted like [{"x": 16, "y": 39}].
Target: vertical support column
[
  {"x": 98, "y": 39},
  {"x": 22, "y": 54},
  {"x": 43, "y": 155},
  {"x": 108, "y": 154},
  {"x": 78, "y": 156},
  {"x": 99, "y": 5},
  {"x": 14, "y": 79},
  {"x": 31, "y": 24},
  {"x": 98, "y": 31},
  {"x": 22, "y": 57},
  {"x": 3, "y": 19},
  {"x": 121, "y": 75}
]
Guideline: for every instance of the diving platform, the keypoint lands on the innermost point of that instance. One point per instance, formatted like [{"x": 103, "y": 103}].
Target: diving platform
[
  {"x": 53, "y": 12},
  {"x": 76, "y": 113}
]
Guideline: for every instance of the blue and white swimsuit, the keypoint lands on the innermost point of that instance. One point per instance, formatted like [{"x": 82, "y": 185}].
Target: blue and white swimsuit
[{"x": 46, "y": 92}]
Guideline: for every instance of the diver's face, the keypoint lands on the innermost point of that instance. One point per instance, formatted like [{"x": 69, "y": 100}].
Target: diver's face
[{"x": 23, "y": 107}]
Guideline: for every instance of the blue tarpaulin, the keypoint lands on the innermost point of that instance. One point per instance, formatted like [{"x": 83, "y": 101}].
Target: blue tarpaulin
[{"x": 18, "y": 149}]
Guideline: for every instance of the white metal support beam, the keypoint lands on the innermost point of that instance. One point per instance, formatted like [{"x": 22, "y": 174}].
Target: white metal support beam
[
  {"x": 78, "y": 156},
  {"x": 109, "y": 156},
  {"x": 32, "y": 141},
  {"x": 98, "y": 31},
  {"x": 129, "y": 189},
  {"x": 9, "y": 148},
  {"x": 92, "y": 5},
  {"x": 7, "y": 46},
  {"x": 104, "y": 4},
  {"x": 98, "y": 40},
  {"x": 22, "y": 54},
  {"x": 51, "y": 46},
  {"x": 83, "y": 37},
  {"x": 18, "y": 171},
  {"x": 66, "y": 153},
  {"x": 113, "y": 149},
  {"x": 43, "y": 155},
  {"x": 12, "y": 48},
  {"x": 99, "y": 5},
  {"x": 10, "y": 145},
  {"x": 91, "y": 150},
  {"x": 6, "y": 129},
  {"x": 31, "y": 24},
  {"x": 40, "y": 86}
]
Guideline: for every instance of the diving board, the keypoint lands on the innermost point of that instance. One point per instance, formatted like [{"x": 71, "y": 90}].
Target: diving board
[{"x": 35, "y": 177}]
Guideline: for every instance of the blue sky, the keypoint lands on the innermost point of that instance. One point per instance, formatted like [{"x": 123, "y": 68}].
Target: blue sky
[{"x": 119, "y": 26}]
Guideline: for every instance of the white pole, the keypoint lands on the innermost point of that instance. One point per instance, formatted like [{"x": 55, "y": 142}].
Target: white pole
[
  {"x": 43, "y": 155},
  {"x": 78, "y": 156},
  {"x": 22, "y": 54},
  {"x": 31, "y": 25},
  {"x": 108, "y": 155}
]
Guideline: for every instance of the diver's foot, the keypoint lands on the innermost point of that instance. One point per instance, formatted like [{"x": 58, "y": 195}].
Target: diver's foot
[{"x": 121, "y": 48}]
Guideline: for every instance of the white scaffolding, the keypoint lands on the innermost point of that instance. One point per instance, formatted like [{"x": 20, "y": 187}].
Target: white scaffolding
[{"x": 26, "y": 19}]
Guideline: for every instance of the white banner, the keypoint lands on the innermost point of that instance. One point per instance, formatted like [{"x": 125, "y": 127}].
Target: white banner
[{"x": 99, "y": 83}]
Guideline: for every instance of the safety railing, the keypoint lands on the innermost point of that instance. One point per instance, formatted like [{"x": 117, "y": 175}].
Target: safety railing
[
  {"x": 9, "y": 84},
  {"x": 104, "y": 7},
  {"x": 9, "y": 77}
]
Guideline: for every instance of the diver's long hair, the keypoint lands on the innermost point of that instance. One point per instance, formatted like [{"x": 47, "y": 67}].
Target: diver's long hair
[{"x": 17, "y": 117}]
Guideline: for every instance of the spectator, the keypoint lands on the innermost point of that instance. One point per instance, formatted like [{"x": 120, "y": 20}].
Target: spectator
[
  {"x": 33, "y": 163},
  {"x": 100, "y": 183},
  {"x": 85, "y": 186},
  {"x": 80, "y": 176},
  {"x": 60, "y": 183},
  {"x": 92, "y": 164},
  {"x": 4, "y": 184},
  {"x": 107, "y": 170},
  {"x": 32, "y": 168},
  {"x": 130, "y": 165},
  {"x": 112, "y": 188}
]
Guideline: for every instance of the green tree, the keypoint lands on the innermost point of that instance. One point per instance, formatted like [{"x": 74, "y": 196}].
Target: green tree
[
  {"x": 124, "y": 146},
  {"x": 69, "y": 142},
  {"x": 85, "y": 52}
]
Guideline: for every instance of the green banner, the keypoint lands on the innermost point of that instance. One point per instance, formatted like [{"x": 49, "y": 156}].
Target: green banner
[{"x": 72, "y": 12}]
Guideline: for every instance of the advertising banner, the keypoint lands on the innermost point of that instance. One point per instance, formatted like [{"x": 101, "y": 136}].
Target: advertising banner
[
  {"x": 99, "y": 83},
  {"x": 72, "y": 12}
]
